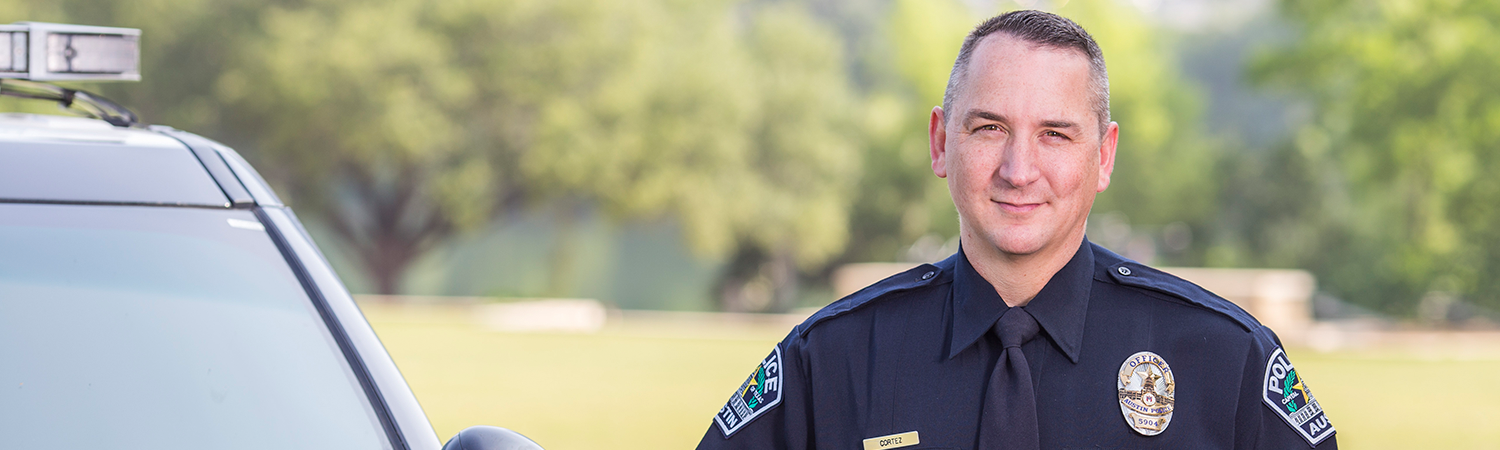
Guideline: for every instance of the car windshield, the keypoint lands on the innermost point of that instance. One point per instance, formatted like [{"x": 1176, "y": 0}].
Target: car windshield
[{"x": 162, "y": 327}]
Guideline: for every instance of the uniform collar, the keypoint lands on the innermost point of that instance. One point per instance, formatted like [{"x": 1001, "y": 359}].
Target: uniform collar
[{"x": 1059, "y": 308}]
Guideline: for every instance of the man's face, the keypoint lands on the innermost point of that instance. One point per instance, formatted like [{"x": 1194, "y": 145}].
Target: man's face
[{"x": 1022, "y": 150}]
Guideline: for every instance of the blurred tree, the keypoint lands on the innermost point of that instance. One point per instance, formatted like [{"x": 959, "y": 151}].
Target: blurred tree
[
  {"x": 1167, "y": 167},
  {"x": 899, "y": 199},
  {"x": 185, "y": 46},
  {"x": 1406, "y": 125},
  {"x": 526, "y": 55},
  {"x": 364, "y": 111},
  {"x": 733, "y": 122},
  {"x": 399, "y": 122}
]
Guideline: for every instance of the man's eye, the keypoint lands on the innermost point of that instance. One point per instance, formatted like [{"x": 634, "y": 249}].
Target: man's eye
[
  {"x": 1051, "y": 133},
  {"x": 990, "y": 127}
]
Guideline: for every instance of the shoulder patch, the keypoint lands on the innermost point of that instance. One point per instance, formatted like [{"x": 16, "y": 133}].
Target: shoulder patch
[
  {"x": 919, "y": 276},
  {"x": 759, "y": 393},
  {"x": 1287, "y": 393},
  {"x": 1131, "y": 273}
]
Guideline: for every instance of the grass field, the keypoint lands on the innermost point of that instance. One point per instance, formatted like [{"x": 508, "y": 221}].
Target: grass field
[{"x": 657, "y": 385}]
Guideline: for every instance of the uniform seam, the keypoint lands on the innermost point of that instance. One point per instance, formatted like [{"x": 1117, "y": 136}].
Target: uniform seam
[
  {"x": 807, "y": 327},
  {"x": 1252, "y": 359},
  {"x": 1206, "y": 302},
  {"x": 1246, "y": 328}
]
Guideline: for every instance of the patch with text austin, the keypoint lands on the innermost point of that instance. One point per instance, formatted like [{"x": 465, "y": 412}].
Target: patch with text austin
[
  {"x": 759, "y": 394},
  {"x": 1287, "y": 394}
]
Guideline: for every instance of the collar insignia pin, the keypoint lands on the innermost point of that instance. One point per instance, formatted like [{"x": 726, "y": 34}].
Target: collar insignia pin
[{"x": 1147, "y": 392}]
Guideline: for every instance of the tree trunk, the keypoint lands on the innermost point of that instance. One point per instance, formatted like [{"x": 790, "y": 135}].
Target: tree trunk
[
  {"x": 759, "y": 282},
  {"x": 387, "y": 224},
  {"x": 387, "y": 261},
  {"x": 785, "y": 282},
  {"x": 735, "y": 289},
  {"x": 564, "y": 249}
]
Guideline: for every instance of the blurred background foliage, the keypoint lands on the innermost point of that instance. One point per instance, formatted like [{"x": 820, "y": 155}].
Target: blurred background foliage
[{"x": 729, "y": 154}]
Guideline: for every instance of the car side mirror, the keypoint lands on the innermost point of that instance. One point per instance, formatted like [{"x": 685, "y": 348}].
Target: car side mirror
[{"x": 484, "y": 437}]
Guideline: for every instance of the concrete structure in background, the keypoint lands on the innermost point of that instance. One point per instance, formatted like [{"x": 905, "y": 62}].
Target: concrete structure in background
[
  {"x": 555, "y": 314},
  {"x": 852, "y": 277},
  {"x": 1278, "y": 298}
]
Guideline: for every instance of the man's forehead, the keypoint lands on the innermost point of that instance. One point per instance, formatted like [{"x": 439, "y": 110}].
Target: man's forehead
[{"x": 1044, "y": 79}]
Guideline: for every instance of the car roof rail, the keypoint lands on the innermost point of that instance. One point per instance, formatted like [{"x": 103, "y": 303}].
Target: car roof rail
[{"x": 88, "y": 103}]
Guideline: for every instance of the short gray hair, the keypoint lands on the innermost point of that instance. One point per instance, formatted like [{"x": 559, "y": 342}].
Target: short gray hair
[{"x": 1041, "y": 28}]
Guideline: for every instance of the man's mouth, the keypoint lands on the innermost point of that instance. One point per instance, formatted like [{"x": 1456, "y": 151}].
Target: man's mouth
[{"x": 1018, "y": 207}]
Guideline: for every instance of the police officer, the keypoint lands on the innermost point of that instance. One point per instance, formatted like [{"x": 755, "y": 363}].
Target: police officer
[{"x": 1030, "y": 336}]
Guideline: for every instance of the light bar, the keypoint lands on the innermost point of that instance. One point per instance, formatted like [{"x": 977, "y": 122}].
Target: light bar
[{"x": 57, "y": 52}]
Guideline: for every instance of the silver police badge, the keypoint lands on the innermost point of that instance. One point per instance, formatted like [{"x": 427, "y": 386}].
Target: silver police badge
[{"x": 1147, "y": 391}]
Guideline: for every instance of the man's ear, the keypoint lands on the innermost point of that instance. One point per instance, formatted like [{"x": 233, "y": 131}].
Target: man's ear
[
  {"x": 1107, "y": 155},
  {"x": 937, "y": 142}
]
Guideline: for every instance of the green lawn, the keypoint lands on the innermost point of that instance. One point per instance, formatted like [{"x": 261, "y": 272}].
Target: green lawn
[
  {"x": 657, "y": 385},
  {"x": 1400, "y": 400}
]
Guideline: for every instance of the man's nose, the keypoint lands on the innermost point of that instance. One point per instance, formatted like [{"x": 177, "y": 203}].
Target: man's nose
[{"x": 1018, "y": 164}]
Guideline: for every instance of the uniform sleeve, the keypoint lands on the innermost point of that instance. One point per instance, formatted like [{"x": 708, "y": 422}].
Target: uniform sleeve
[
  {"x": 1277, "y": 410},
  {"x": 771, "y": 409}
]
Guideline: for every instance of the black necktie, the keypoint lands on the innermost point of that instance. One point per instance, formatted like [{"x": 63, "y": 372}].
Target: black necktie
[{"x": 1009, "y": 418}]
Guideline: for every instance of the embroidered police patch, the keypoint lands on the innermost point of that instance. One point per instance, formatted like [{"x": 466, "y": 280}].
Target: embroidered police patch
[
  {"x": 1287, "y": 394},
  {"x": 759, "y": 394},
  {"x": 1147, "y": 393}
]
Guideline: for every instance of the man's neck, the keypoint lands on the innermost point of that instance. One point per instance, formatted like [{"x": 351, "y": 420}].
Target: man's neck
[{"x": 1018, "y": 278}]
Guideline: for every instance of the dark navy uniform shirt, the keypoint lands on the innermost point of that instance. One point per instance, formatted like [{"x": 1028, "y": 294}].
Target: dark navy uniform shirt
[{"x": 913, "y": 353}]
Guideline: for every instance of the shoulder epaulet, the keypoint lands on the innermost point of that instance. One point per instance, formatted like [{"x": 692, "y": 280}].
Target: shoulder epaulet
[
  {"x": 916, "y": 277},
  {"x": 1131, "y": 273}
]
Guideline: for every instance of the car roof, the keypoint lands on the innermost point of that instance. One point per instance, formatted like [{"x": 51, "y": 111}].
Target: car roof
[{"x": 58, "y": 159}]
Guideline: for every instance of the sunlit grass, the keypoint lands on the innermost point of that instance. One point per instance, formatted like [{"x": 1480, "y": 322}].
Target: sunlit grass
[
  {"x": 1405, "y": 400},
  {"x": 646, "y": 386},
  {"x": 656, "y": 385}
]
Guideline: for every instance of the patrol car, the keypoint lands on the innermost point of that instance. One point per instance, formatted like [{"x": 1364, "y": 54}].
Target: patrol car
[{"x": 156, "y": 293}]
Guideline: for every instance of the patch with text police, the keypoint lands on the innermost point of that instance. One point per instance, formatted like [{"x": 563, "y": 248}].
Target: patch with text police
[
  {"x": 759, "y": 394},
  {"x": 1148, "y": 393},
  {"x": 1287, "y": 394}
]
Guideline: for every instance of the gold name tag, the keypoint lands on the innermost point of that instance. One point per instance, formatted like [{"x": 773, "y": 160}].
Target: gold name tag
[{"x": 893, "y": 441}]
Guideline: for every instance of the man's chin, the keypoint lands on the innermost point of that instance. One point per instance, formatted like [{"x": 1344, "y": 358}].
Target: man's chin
[
  {"x": 1019, "y": 249},
  {"x": 1015, "y": 246},
  {"x": 1015, "y": 240}
]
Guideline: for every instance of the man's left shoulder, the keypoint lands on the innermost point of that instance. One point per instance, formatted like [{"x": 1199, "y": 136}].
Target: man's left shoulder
[
  {"x": 1280, "y": 391},
  {"x": 917, "y": 280},
  {"x": 1113, "y": 268}
]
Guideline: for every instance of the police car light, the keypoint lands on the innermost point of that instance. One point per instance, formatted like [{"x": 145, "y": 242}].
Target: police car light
[{"x": 57, "y": 52}]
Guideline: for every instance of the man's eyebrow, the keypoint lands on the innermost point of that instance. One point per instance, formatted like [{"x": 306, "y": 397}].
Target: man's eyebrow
[
  {"x": 974, "y": 114},
  {"x": 980, "y": 114}
]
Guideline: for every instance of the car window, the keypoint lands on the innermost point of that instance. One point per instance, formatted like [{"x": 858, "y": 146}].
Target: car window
[
  {"x": 162, "y": 328},
  {"x": 105, "y": 172}
]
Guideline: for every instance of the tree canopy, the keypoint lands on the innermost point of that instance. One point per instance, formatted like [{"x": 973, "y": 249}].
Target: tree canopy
[
  {"x": 1406, "y": 124},
  {"x": 399, "y": 122}
]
